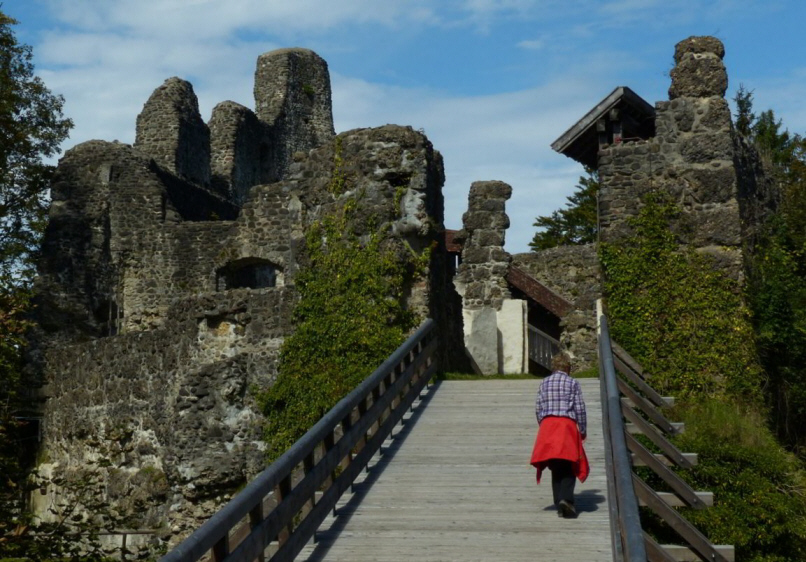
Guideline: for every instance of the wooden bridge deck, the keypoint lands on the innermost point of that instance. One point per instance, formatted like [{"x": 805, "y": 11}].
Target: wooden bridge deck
[{"x": 456, "y": 484}]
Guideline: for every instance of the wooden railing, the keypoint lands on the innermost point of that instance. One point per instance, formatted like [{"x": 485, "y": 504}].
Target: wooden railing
[
  {"x": 630, "y": 397},
  {"x": 542, "y": 347},
  {"x": 279, "y": 512}
]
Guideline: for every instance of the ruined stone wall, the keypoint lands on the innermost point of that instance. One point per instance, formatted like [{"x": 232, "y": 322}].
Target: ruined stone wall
[
  {"x": 573, "y": 272},
  {"x": 480, "y": 278},
  {"x": 169, "y": 411},
  {"x": 236, "y": 156},
  {"x": 293, "y": 98},
  {"x": 162, "y": 392},
  {"x": 692, "y": 158},
  {"x": 171, "y": 130}
]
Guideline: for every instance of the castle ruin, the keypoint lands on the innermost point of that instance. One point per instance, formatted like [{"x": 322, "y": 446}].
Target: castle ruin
[
  {"x": 166, "y": 286},
  {"x": 167, "y": 276}
]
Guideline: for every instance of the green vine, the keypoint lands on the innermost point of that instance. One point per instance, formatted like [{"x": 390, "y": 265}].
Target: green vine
[
  {"x": 350, "y": 317},
  {"x": 338, "y": 180},
  {"x": 676, "y": 312}
]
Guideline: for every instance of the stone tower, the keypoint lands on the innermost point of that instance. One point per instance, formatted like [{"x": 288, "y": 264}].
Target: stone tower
[
  {"x": 695, "y": 156},
  {"x": 171, "y": 130}
]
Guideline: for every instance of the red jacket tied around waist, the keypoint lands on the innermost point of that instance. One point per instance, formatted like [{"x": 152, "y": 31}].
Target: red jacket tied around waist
[{"x": 559, "y": 438}]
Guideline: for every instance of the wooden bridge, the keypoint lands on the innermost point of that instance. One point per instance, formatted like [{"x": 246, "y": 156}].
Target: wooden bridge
[
  {"x": 455, "y": 484},
  {"x": 400, "y": 470}
]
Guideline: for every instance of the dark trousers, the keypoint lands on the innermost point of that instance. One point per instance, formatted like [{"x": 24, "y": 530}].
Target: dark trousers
[{"x": 562, "y": 480}]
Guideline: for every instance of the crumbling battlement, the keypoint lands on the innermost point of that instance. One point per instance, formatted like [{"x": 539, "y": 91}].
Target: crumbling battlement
[
  {"x": 166, "y": 282},
  {"x": 480, "y": 278},
  {"x": 696, "y": 157},
  {"x": 240, "y": 148}
]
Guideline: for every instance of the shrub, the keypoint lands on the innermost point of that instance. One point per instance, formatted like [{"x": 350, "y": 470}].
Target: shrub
[{"x": 759, "y": 488}]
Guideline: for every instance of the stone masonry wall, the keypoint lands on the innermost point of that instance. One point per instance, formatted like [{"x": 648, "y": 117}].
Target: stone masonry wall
[
  {"x": 169, "y": 411},
  {"x": 292, "y": 96},
  {"x": 157, "y": 382},
  {"x": 481, "y": 277},
  {"x": 692, "y": 157},
  {"x": 572, "y": 272},
  {"x": 236, "y": 164},
  {"x": 171, "y": 130}
]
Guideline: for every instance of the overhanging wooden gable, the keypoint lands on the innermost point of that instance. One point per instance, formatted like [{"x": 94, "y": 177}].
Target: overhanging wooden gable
[{"x": 622, "y": 115}]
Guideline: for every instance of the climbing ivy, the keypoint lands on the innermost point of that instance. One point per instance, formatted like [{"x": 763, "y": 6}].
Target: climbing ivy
[
  {"x": 350, "y": 317},
  {"x": 676, "y": 312}
]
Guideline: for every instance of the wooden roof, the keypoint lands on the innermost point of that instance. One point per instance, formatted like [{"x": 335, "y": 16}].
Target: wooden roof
[{"x": 583, "y": 140}]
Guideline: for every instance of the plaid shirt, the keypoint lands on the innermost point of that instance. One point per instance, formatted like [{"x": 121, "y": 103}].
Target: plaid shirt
[{"x": 560, "y": 395}]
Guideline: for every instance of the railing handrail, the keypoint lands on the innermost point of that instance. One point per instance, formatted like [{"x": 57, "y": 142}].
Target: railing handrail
[
  {"x": 251, "y": 497},
  {"x": 543, "y": 334},
  {"x": 630, "y": 534}
]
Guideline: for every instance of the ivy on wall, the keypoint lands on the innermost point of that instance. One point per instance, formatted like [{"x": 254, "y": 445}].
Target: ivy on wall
[
  {"x": 674, "y": 311},
  {"x": 686, "y": 322},
  {"x": 350, "y": 317}
]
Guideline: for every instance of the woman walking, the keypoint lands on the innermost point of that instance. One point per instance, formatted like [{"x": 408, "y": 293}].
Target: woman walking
[{"x": 562, "y": 428}]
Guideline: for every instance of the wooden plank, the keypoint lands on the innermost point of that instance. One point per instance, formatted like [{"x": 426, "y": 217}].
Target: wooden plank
[
  {"x": 639, "y": 402},
  {"x": 619, "y": 352},
  {"x": 690, "y": 457},
  {"x": 636, "y": 430},
  {"x": 673, "y": 500},
  {"x": 680, "y": 487},
  {"x": 682, "y": 553},
  {"x": 639, "y": 382},
  {"x": 688, "y": 532},
  {"x": 658, "y": 439},
  {"x": 455, "y": 484}
]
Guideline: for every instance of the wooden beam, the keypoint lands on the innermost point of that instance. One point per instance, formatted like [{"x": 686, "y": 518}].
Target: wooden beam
[
  {"x": 690, "y": 457},
  {"x": 682, "y": 553},
  {"x": 636, "y": 430},
  {"x": 673, "y": 500}
]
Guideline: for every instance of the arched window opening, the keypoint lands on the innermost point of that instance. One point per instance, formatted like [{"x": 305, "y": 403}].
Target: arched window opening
[{"x": 247, "y": 273}]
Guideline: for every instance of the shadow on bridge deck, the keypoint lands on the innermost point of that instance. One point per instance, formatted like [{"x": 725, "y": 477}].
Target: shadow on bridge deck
[{"x": 455, "y": 484}]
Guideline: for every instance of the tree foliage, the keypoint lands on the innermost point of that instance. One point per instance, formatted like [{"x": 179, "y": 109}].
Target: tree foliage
[
  {"x": 576, "y": 224},
  {"x": 777, "y": 279},
  {"x": 31, "y": 129}
]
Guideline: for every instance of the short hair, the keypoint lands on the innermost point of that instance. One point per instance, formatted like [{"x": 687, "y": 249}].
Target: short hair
[{"x": 561, "y": 362}]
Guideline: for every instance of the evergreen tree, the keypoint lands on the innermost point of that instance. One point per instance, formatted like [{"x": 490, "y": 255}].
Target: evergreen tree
[
  {"x": 777, "y": 280},
  {"x": 576, "y": 224}
]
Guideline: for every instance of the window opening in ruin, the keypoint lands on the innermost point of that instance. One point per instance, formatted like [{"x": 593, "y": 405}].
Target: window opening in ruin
[
  {"x": 247, "y": 273},
  {"x": 108, "y": 316}
]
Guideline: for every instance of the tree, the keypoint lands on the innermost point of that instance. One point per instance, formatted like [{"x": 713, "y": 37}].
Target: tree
[
  {"x": 577, "y": 224},
  {"x": 31, "y": 129},
  {"x": 744, "y": 110},
  {"x": 777, "y": 281}
]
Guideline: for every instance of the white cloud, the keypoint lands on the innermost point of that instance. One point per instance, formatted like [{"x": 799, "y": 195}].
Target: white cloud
[
  {"x": 532, "y": 44},
  {"x": 204, "y": 19}
]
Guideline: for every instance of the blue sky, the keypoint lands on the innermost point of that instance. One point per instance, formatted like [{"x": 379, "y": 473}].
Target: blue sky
[{"x": 491, "y": 82}]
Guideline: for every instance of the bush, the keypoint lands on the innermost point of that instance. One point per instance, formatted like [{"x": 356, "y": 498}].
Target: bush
[{"x": 759, "y": 488}]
